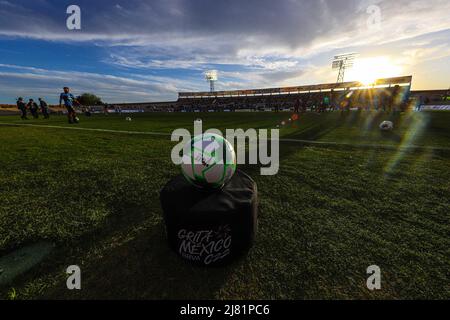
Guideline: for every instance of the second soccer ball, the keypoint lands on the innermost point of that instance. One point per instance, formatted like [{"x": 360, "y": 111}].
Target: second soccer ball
[{"x": 386, "y": 126}]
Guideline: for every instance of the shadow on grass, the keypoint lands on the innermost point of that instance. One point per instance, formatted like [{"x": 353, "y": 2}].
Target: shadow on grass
[
  {"x": 126, "y": 257},
  {"x": 391, "y": 136},
  {"x": 144, "y": 268},
  {"x": 322, "y": 128}
]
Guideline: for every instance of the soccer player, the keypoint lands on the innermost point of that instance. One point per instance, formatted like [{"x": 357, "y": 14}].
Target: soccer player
[
  {"x": 33, "y": 108},
  {"x": 297, "y": 105},
  {"x": 44, "y": 108},
  {"x": 326, "y": 103},
  {"x": 23, "y": 108},
  {"x": 69, "y": 101}
]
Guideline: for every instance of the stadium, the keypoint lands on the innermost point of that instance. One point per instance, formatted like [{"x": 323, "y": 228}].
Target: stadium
[
  {"x": 384, "y": 93},
  {"x": 349, "y": 194}
]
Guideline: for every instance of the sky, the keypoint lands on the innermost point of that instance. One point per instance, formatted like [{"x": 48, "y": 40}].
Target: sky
[{"x": 140, "y": 51}]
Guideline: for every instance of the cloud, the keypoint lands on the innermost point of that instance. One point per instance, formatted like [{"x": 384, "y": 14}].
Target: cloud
[
  {"x": 288, "y": 24},
  {"x": 253, "y": 42},
  {"x": 28, "y": 81}
]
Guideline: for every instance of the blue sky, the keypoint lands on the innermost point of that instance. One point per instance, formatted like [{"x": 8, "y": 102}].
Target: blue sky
[{"x": 135, "y": 50}]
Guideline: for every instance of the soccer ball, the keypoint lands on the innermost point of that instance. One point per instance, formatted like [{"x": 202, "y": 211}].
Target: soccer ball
[
  {"x": 128, "y": 119},
  {"x": 209, "y": 161},
  {"x": 386, "y": 126}
]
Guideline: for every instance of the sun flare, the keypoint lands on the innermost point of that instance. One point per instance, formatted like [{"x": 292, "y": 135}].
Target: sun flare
[{"x": 368, "y": 70}]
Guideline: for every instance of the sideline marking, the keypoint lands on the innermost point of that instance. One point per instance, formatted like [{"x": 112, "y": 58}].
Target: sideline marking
[
  {"x": 308, "y": 142},
  {"x": 85, "y": 129}
]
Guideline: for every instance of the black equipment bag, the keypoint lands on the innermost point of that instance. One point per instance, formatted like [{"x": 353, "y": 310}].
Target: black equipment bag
[{"x": 210, "y": 227}]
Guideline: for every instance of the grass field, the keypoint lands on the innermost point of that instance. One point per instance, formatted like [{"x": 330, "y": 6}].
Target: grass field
[{"x": 333, "y": 209}]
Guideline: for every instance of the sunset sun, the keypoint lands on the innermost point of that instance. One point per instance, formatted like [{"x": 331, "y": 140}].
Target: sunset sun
[{"x": 368, "y": 70}]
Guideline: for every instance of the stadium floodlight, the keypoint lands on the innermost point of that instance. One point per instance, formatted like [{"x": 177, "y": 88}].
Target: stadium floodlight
[
  {"x": 343, "y": 62},
  {"x": 211, "y": 76}
]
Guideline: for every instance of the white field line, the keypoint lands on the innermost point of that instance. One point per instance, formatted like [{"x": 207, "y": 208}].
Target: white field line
[
  {"x": 365, "y": 145},
  {"x": 85, "y": 129},
  {"x": 308, "y": 142}
]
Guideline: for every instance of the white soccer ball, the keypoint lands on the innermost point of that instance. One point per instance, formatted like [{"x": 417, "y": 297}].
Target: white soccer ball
[
  {"x": 387, "y": 126},
  {"x": 128, "y": 119},
  {"x": 209, "y": 161}
]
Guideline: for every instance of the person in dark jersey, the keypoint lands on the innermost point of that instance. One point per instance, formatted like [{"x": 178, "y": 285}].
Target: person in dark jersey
[
  {"x": 44, "y": 108},
  {"x": 69, "y": 102},
  {"x": 297, "y": 105},
  {"x": 23, "y": 108},
  {"x": 33, "y": 107}
]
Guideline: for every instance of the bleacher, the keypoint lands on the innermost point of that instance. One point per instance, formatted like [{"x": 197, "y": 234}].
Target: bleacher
[
  {"x": 146, "y": 106},
  {"x": 388, "y": 94},
  {"x": 384, "y": 93},
  {"x": 435, "y": 97},
  {"x": 391, "y": 92}
]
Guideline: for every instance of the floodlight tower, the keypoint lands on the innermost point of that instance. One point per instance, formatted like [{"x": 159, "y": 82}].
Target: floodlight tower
[
  {"x": 343, "y": 62},
  {"x": 211, "y": 76}
]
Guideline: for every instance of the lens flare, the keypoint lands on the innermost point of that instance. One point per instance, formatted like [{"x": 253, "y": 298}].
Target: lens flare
[{"x": 418, "y": 123}]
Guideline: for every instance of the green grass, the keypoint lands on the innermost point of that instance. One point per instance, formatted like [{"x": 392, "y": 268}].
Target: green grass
[{"x": 332, "y": 210}]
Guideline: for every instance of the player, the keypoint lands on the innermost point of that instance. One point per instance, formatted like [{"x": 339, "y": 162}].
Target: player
[
  {"x": 326, "y": 103},
  {"x": 44, "y": 108},
  {"x": 297, "y": 105},
  {"x": 23, "y": 108},
  {"x": 69, "y": 101},
  {"x": 33, "y": 108}
]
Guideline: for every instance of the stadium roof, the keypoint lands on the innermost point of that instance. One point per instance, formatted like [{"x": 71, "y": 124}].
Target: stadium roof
[{"x": 402, "y": 81}]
